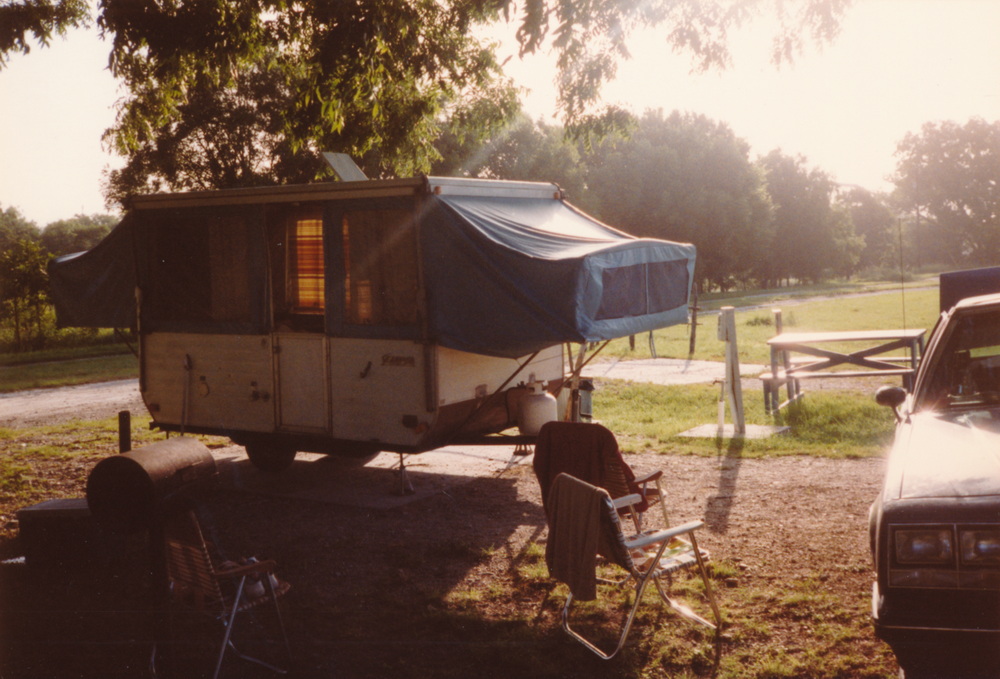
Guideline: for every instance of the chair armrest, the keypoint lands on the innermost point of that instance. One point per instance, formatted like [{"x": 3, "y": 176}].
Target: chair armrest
[
  {"x": 662, "y": 535},
  {"x": 255, "y": 568},
  {"x": 652, "y": 476},
  {"x": 627, "y": 500}
]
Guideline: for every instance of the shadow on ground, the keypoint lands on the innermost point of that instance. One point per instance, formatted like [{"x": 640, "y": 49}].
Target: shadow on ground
[{"x": 425, "y": 588}]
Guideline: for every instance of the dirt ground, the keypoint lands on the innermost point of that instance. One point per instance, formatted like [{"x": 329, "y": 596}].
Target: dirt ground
[{"x": 410, "y": 590}]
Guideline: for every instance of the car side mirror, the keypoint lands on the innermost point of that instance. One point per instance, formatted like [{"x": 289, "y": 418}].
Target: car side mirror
[{"x": 892, "y": 397}]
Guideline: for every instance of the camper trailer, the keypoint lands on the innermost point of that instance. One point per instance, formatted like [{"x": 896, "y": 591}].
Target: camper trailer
[{"x": 351, "y": 317}]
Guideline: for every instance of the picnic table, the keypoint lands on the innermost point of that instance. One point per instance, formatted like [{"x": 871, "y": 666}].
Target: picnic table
[{"x": 798, "y": 356}]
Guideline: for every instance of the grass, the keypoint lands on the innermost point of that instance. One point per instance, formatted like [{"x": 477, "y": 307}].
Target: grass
[
  {"x": 68, "y": 372},
  {"x": 836, "y": 287},
  {"x": 758, "y": 615},
  {"x": 63, "y": 353},
  {"x": 648, "y": 417},
  {"x": 52, "y": 461},
  {"x": 755, "y": 326}
]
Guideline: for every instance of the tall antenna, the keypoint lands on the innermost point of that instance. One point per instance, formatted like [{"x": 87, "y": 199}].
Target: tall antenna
[{"x": 902, "y": 277}]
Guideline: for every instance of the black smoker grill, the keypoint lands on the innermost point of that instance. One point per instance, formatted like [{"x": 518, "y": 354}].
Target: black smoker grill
[{"x": 134, "y": 491}]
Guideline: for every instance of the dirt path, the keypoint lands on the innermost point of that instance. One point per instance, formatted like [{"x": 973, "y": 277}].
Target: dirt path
[{"x": 84, "y": 402}]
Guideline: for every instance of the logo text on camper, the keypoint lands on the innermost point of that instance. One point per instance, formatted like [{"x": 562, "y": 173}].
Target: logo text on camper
[{"x": 399, "y": 361}]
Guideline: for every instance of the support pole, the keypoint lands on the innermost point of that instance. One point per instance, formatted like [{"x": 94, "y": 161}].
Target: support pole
[
  {"x": 732, "y": 386},
  {"x": 694, "y": 320},
  {"x": 405, "y": 487},
  {"x": 124, "y": 431},
  {"x": 791, "y": 385},
  {"x": 572, "y": 413}
]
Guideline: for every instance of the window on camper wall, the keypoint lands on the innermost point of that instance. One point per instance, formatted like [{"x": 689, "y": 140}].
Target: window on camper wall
[
  {"x": 380, "y": 267},
  {"x": 298, "y": 271},
  {"x": 199, "y": 272},
  {"x": 307, "y": 267}
]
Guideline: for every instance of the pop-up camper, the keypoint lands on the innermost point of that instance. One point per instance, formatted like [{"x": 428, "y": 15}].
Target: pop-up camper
[{"x": 356, "y": 316}]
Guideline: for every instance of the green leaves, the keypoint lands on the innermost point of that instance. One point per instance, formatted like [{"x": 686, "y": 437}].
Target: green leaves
[
  {"x": 41, "y": 19},
  {"x": 948, "y": 174},
  {"x": 232, "y": 92},
  {"x": 687, "y": 178},
  {"x": 23, "y": 285},
  {"x": 275, "y": 83}
]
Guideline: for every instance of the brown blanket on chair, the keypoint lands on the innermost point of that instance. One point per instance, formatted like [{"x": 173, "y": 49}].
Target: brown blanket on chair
[
  {"x": 574, "y": 515},
  {"x": 583, "y": 450}
]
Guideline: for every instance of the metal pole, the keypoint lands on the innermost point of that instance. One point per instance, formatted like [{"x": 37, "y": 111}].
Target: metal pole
[
  {"x": 124, "y": 431},
  {"x": 694, "y": 321}
]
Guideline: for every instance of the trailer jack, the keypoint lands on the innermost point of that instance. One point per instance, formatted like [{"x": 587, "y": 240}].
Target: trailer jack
[{"x": 405, "y": 487}]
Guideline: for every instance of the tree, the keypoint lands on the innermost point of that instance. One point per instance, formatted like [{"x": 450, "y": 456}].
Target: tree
[
  {"x": 875, "y": 223},
  {"x": 590, "y": 39},
  {"x": 811, "y": 235},
  {"x": 948, "y": 175},
  {"x": 239, "y": 134},
  {"x": 523, "y": 150},
  {"x": 14, "y": 227},
  {"x": 258, "y": 88},
  {"x": 23, "y": 285},
  {"x": 686, "y": 178},
  {"x": 80, "y": 233},
  {"x": 379, "y": 79},
  {"x": 41, "y": 19}
]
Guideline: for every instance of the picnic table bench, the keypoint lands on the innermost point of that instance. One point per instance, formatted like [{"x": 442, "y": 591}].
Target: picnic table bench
[{"x": 870, "y": 360}]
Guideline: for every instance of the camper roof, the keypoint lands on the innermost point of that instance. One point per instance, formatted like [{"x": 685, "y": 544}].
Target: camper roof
[{"x": 377, "y": 188}]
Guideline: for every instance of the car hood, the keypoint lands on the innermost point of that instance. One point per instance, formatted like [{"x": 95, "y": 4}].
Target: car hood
[{"x": 951, "y": 455}]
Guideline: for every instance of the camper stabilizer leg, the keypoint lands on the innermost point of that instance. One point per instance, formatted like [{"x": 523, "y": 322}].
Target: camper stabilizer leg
[{"x": 405, "y": 487}]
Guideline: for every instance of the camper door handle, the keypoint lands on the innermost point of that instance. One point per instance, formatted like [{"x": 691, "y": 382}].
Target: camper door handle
[{"x": 368, "y": 369}]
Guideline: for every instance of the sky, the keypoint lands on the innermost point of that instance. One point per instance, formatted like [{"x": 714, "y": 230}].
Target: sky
[{"x": 896, "y": 65}]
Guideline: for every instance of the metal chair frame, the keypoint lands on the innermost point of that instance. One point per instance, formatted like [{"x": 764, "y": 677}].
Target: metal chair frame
[
  {"x": 675, "y": 549},
  {"x": 194, "y": 577}
]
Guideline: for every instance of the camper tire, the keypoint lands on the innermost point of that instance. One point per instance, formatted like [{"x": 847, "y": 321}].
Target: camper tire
[{"x": 270, "y": 456}]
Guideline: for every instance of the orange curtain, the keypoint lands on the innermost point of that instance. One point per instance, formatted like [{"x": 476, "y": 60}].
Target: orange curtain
[{"x": 309, "y": 269}]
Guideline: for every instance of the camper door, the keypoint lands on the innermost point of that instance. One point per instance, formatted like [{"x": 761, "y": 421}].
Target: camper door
[
  {"x": 298, "y": 302},
  {"x": 345, "y": 295}
]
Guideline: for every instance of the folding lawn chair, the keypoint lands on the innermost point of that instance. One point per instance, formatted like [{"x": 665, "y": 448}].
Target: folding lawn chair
[
  {"x": 223, "y": 592},
  {"x": 590, "y": 452},
  {"x": 584, "y": 523}
]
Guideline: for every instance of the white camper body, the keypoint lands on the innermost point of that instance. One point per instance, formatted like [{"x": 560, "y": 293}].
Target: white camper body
[{"x": 330, "y": 394}]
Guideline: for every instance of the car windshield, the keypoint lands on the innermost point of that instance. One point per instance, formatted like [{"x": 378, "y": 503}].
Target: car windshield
[{"x": 967, "y": 370}]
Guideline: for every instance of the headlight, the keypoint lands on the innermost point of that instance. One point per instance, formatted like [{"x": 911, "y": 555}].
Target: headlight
[
  {"x": 980, "y": 546},
  {"x": 931, "y": 546}
]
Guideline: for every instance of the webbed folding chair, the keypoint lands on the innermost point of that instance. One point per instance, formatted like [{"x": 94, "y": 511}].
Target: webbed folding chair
[
  {"x": 223, "y": 592},
  {"x": 589, "y": 451},
  {"x": 584, "y": 522}
]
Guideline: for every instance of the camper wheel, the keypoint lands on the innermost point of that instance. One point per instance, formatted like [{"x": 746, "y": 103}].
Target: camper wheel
[{"x": 270, "y": 455}]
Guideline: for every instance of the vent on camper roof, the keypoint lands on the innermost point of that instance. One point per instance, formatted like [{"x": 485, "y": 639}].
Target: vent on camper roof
[{"x": 345, "y": 167}]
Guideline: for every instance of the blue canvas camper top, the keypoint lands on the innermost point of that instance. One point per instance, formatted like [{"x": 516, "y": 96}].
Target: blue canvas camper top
[{"x": 504, "y": 268}]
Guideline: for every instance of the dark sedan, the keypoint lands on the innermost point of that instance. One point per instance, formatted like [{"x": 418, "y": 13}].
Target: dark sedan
[{"x": 935, "y": 528}]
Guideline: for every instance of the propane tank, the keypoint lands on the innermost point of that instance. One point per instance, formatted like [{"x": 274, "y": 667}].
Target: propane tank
[{"x": 537, "y": 408}]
